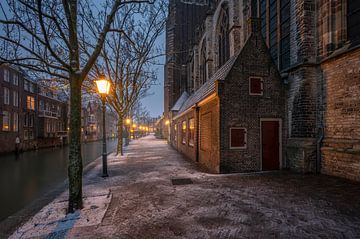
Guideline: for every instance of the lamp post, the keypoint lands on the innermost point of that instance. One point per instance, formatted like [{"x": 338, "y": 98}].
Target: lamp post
[{"x": 103, "y": 86}]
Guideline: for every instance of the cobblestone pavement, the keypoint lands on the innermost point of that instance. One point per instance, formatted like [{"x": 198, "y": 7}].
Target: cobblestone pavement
[{"x": 145, "y": 204}]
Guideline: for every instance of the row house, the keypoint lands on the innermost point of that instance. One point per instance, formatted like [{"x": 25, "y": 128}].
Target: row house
[
  {"x": 21, "y": 111},
  {"x": 295, "y": 101},
  {"x": 91, "y": 122}
]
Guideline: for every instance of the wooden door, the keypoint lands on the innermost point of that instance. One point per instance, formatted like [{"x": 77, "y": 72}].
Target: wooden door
[{"x": 270, "y": 131}]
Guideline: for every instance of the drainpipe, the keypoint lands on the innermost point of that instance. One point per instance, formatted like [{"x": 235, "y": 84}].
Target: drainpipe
[
  {"x": 318, "y": 147},
  {"x": 197, "y": 109}
]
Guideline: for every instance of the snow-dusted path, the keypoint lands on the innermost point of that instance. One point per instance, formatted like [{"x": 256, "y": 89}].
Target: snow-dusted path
[{"x": 145, "y": 204}]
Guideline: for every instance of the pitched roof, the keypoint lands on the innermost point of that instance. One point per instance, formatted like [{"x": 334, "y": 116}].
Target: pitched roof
[
  {"x": 184, "y": 96},
  {"x": 209, "y": 86}
]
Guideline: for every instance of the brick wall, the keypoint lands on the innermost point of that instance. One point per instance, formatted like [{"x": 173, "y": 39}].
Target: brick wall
[
  {"x": 209, "y": 154},
  {"x": 341, "y": 148},
  {"x": 239, "y": 109}
]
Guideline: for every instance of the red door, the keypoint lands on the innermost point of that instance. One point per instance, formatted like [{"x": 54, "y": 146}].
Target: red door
[{"x": 270, "y": 145}]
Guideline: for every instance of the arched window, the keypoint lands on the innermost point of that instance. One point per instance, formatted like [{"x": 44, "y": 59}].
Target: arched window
[
  {"x": 203, "y": 72},
  {"x": 223, "y": 35}
]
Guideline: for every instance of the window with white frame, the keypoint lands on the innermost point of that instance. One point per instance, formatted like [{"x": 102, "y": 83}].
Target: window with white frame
[
  {"x": 183, "y": 132},
  {"x": 238, "y": 138},
  {"x": 6, "y": 96},
  {"x": 15, "y": 98},
  {"x": 31, "y": 87},
  {"x": 256, "y": 86},
  {"x": 16, "y": 122},
  {"x": 6, "y": 121},
  {"x": 6, "y": 75},
  {"x": 15, "y": 79},
  {"x": 26, "y": 85},
  {"x": 191, "y": 131}
]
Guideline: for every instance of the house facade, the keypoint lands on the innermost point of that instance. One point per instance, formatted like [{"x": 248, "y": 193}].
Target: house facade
[
  {"x": 314, "y": 46},
  {"x": 28, "y": 115}
]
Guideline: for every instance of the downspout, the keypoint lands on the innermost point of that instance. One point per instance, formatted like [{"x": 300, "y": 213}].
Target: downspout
[
  {"x": 197, "y": 110},
  {"x": 321, "y": 133},
  {"x": 318, "y": 147}
]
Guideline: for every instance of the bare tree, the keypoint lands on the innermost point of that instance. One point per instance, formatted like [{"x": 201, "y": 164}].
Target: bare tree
[
  {"x": 127, "y": 60},
  {"x": 49, "y": 37}
]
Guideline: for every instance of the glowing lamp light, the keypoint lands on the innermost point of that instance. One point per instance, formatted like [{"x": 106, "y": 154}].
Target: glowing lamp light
[
  {"x": 134, "y": 125},
  {"x": 103, "y": 85},
  {"x": 167, "y": 122},
  {"x": 128, "y": 121}
]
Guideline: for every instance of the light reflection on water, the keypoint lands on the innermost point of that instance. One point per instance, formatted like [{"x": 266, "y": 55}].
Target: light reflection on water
[{"x": 31, "y": 174}]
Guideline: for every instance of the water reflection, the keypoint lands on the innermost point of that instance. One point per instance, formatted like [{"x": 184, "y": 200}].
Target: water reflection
[{"x": 26, "y": 177}]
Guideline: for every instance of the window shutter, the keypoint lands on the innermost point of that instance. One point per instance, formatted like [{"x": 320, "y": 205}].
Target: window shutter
[
  {"x": 256, "y": 86},
  {"x": 238, "y": 138}
]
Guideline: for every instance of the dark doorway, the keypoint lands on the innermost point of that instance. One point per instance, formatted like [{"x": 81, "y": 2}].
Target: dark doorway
[{"x": 270, "y": 131}]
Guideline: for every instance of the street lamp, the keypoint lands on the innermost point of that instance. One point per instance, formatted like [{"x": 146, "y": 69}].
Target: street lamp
[{"x": 103, "y": 86}]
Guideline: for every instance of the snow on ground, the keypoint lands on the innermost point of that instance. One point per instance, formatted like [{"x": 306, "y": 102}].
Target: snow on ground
[{"x": 145, "y": 204}]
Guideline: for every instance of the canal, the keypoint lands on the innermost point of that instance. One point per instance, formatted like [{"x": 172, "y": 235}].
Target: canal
[{"x": 32, "y": 174}]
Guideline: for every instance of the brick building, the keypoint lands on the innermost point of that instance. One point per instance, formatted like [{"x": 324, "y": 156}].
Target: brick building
[
  {"x": 52, "y": 118},
  {"x": 24, "y": 113},
  {"x": 315, "y": 47}
]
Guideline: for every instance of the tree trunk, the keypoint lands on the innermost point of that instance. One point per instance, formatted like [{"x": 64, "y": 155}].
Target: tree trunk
[
  {"x": 119, "y": 149},
  {"x": 75, "y": 159}
]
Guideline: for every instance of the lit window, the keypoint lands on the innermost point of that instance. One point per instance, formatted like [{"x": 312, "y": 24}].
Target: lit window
[
  {"x": 16, "y": 122},
  {"x": 175, "y": 132},
  {"x": 6, "y": 96},
  {"x": 255, "y": 86},
  {"x": 238, "y": 138},
  {"x": 191, "y": 131},
  {"x": 15, "y": 98},
  {"x": 6, "y": 75},
  {"x": 183, "y": 134},
  {"x": 6, "y": 121},
  {"x": 30, "y": 102}
]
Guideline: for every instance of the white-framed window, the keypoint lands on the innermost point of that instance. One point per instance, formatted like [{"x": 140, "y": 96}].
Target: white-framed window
[
  {"x": 6, "y": 75},
  {"x": 31, "y": 121},
  {"x": 15, "y": 98},
  {"x": 26, "y": 120},
  {"x": 6, "y": 96},
  {"x": 15, "y": 79},
  {"x": 31, "y": 87},
  {"x": 41, "y": 105},
  {"x": 238, "y": 138},
  {"x": 26, "y": 134},
  {"x": 31, "y": 134},
  {"x": 183, "y": 132},
  {"x": 16, "y": 122},
  {"x": 26, "y": 85},
  {"x": 30, "y": 102},
  {"x": 191, "y": 131},
  {"x": 6, "y": 121},
  {"x": 256, "y": 86}
]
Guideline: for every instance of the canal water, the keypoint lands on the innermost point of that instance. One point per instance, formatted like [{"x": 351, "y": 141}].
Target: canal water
[{"x": 34, "y": 173}]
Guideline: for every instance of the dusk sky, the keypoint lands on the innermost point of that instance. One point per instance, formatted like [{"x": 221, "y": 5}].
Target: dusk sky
[{"x": 154, "y": 102}]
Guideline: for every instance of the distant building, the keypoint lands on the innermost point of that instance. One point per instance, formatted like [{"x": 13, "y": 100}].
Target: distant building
[
  {"x": 52, "y": 118},
  {"x": 24, "y": 114}
]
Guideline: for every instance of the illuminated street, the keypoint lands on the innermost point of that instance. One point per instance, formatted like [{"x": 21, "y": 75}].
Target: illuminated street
[{"x": 145, "y": 203}]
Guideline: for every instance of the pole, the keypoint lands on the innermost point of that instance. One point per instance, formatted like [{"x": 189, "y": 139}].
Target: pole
[{"x": 104, "y": 154}]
